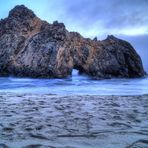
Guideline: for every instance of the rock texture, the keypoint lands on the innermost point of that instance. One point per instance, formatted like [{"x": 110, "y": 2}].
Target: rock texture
[{"x": 30, "y": 47}]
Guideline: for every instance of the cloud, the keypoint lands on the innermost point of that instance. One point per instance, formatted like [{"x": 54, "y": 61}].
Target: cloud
[{"x": 97, "y": 17}]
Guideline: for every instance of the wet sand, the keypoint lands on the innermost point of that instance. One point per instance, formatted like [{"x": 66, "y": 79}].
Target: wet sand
[{"x": 54, "y": 121}]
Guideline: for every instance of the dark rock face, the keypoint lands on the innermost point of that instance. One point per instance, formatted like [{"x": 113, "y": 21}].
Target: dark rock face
[{"x": 34, "y": 48}]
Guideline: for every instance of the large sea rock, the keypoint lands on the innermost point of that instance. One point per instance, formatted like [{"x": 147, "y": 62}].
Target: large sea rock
[{"x": 30, "y": 47}]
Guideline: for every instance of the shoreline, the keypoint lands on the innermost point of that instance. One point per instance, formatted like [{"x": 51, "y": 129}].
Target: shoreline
[{"x": 19, "y": 94}]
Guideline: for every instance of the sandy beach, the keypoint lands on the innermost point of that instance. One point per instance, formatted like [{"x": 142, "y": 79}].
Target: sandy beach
[{"x": 56, "y": 121}]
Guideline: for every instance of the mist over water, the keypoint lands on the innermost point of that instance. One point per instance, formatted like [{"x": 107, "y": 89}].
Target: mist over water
[{"x": 75, "y": 85}]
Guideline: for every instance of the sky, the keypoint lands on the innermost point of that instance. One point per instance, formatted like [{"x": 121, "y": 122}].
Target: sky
[{"x": 127, "y": 19}]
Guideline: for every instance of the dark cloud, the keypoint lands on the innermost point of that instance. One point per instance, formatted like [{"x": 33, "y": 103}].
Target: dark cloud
[
  {"x": 113, "y": 12},
  {"x": 103, "y": 17}
]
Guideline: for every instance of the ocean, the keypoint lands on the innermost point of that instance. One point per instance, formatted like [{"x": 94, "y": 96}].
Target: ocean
[{"x": 75, "y": 85}]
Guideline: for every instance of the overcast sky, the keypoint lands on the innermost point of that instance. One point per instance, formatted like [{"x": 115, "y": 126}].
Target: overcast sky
[{"x": 127, "y": 19}]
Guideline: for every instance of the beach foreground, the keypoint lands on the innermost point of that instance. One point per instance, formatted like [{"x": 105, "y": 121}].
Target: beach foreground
[{"x": 30, "y": 120}]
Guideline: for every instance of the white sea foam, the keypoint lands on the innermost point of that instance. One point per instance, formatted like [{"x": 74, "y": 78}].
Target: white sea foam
[{"x": 75, "y": 85}]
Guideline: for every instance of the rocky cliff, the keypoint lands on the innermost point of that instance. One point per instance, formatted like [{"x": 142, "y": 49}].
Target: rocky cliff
[{"x": 30, "y": 47}]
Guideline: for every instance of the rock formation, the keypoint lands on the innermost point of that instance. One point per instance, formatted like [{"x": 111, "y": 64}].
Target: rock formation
[{"x": 30, "y": 47}]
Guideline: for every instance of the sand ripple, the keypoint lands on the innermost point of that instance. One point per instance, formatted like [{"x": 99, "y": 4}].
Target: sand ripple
[{"x": 36, "y": 121}]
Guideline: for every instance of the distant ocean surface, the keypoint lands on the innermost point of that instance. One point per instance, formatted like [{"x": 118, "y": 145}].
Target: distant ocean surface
[{"x": 75, "y": 85}]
